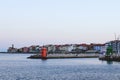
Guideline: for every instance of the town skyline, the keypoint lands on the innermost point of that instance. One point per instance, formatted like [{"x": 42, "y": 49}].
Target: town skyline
[
  {"x": 40, "y": 45},
  {"x": 58, "y": 48}
]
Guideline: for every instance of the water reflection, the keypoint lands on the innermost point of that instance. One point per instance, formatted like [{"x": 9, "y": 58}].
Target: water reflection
[{"x": 109, "y": 62}]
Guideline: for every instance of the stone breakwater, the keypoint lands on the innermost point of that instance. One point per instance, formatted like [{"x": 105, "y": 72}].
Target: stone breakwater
[
  {"x": 114, "y": 57},
  {"x": 55, "y": 56}
]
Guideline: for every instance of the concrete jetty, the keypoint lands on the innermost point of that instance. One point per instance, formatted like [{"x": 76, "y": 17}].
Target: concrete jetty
[{"x": 57, "y": 56}]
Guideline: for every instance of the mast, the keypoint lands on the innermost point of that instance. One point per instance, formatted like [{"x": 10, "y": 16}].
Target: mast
[
  {"x": 116, "y": 49},
  {"x": 117, "y": 43}
]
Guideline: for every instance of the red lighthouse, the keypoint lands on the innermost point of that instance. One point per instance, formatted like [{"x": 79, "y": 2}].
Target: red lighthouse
[{"x": 44, "y": 53}]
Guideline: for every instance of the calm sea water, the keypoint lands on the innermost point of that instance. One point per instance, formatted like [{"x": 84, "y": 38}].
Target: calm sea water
[{"x": 18, "y": 67}]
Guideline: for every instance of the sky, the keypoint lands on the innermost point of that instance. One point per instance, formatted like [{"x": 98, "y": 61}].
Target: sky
[{"x": 41, "y": 22}]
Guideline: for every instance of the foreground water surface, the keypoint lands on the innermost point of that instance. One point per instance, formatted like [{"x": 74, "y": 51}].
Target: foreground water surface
[{"x": 18, "y": 67}]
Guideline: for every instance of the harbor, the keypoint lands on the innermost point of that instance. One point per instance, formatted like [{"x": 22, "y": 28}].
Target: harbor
[{"x": 110, "y": 52}]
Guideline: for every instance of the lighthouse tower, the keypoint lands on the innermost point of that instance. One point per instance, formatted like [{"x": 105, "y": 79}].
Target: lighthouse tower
[{"x": 44, "y": 53}]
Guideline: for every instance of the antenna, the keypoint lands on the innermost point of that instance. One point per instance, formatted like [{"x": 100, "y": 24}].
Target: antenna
[
  {"x": 118, "y": 37},
  {"x": 115, "y": 35}
]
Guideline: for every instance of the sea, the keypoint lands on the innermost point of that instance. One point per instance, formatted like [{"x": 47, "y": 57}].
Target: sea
[{"x": 18, "y": 67}]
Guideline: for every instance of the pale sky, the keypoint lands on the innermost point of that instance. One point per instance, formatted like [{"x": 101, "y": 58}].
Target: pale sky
[{"x": 40, "y": 22}]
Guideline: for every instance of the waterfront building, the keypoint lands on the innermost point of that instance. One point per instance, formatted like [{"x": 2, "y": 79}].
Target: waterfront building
[
  {"x": 83, "y": 47},
  {"x": 12, "y": 49},
  {"x": 50, "y": 48},
  {"x": 20, "y": 50},
  {"x": 115, "y": 44},
  {"x": 66, "y": 47},
  {"x": 98, "y": 47},
  {"x": 70, "y": 47},
  {"x": 34, "y": 49},
  {"x": 25, "y": 49},
  {"x": 118, "y": 47},
  {"x": 79, "y": 48},
  {"x": 59, "y": 48}
]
